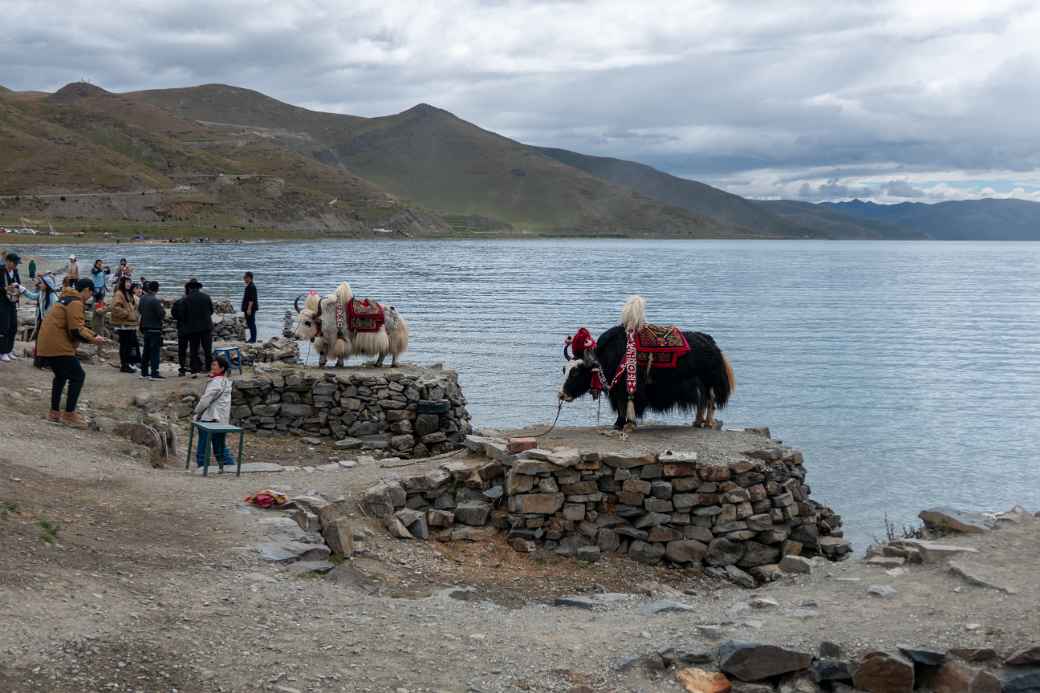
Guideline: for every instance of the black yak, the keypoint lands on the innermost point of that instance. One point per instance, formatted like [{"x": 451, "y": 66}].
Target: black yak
[{"x": 690, "y": 376}]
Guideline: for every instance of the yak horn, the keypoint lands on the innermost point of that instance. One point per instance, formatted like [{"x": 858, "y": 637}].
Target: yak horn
[
  {"x": 296, "y": 303},
  {"x": 566, "y": 351}
]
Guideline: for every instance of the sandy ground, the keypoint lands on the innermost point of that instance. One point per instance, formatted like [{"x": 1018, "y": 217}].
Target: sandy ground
[{"x": 152, "y": 582}]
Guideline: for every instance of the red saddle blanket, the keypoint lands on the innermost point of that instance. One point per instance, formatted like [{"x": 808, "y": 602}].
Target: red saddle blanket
[
  {"x": 364, "y": 315},
  {"x": 661, "y": 346}
]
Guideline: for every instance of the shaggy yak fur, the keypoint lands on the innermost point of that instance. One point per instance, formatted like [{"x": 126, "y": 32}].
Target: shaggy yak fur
[
  {"x": 701, "y": 381},
  {"x": 317, "y": 323}
]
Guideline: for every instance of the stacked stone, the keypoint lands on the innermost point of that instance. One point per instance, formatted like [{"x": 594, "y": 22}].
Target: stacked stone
[
  {"x": 668, "y": 507},
  {"x": 411, "y": 413},
  {"x": 748, "y": 513},
  {"x": 453, "y": 502},
  {"x": 274, "y": 350}
]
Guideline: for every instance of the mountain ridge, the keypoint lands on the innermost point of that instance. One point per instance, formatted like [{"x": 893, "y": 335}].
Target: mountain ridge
[{"x": 217, "y": 154}]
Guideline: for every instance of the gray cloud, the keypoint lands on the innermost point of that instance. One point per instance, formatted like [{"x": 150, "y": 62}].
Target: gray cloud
[
  {"x": 812, "y": 99},
  {"x": 901, "y": 188}
]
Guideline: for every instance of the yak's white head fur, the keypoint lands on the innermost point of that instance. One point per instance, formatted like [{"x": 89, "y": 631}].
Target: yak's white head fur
[
  {"x": 633, "y": 314},
  {"x": 344, "y": 293}
]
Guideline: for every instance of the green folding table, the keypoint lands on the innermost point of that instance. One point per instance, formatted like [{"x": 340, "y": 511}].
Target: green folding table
[{"x": 212, "y": 427}]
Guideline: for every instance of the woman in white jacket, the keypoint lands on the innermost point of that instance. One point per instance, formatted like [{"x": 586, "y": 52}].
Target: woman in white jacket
[{"x": 215, "y": 405}]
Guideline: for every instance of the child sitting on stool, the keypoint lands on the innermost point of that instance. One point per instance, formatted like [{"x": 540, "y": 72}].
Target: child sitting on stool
[{"x": 215, "y": 406}]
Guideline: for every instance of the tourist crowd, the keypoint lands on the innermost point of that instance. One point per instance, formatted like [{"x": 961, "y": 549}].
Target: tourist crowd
[{"x": 136, "y": 316}]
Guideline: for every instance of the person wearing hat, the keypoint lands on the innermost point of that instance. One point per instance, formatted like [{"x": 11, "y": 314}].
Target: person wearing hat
[
  {"x": 72, "y": 269},
  {"x": 64, "y": 328},
  {"x": 198, "y": 325},
  {"x": 10, "y": 291}
]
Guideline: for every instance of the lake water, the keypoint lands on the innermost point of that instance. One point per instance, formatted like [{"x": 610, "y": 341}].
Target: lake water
[{"x": 909, "y": 373}]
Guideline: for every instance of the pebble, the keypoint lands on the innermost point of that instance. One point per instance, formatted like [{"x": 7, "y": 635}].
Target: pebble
[{"x": 883, "y": 591}]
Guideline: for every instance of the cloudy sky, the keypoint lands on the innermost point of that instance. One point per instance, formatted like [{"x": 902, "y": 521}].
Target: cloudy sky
[{"x": 900, "y": 101}]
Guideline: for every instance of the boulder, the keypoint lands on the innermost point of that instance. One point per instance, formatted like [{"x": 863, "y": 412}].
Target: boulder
[
  {"x": 440, "y": 518},
  {"x": 339, "y": 535},
  {"x": 749, "y": 661},
  {"x": 796, "y": 564},
  {"x": 643, "y": 552},
  {"x": 739, "y": 577},
  {"x": 959, "y": 521},
  {"x": 1020, "y": 680},
  {"x": 923, "y": 657},
  {"x": 933, "y": 551},
  {"x": 516, "y": 445},
  {"x": 959, "y": 677},
  {"x": 884, "y": 672},
  {"x": 1029, "y": 656},
  {"x": 695, "y": 680},
  {"x": 723, "y": 552},
  {"x": 536, "y": 503},
  {"x": 472, "y": 513},
  {"x": 831, "y": 670},
  {"x": 685, "y": 551},
  {"x": 587, "y": 554}
]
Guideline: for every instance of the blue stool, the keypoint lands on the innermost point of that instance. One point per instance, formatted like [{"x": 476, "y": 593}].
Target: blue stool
[
  {"x": 233, "y": 356},
  {"x": 214, "y": 427}
]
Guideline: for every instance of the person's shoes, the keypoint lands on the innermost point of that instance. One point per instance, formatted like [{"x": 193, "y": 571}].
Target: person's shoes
[
  {"x": 54, "y": 415},
  {"x": 127, "y": 369},
  {"x": 5, "y": 358},
  {"x": 181, "y": 374},
  {"x": 157, "y": 377},
  {"x": 73, "y": 419}
]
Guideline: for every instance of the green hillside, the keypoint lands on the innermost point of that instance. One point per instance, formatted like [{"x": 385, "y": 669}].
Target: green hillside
[{"x": 435, "y": 160}]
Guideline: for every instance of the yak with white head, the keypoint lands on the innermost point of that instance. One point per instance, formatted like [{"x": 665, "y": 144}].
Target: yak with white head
[{"x": 339, "y": 325}]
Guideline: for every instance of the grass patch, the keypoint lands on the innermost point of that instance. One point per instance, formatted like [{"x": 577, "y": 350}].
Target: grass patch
[
  {"x": 7, "y": 508},
  {"x": 48, "y": 530}
]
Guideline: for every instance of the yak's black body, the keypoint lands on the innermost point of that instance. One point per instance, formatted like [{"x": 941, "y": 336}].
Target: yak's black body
[{"x": 700, "y": 377}]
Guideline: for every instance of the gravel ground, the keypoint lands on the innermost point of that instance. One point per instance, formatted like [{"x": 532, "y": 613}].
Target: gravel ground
[{"x": 153, "y": 582}]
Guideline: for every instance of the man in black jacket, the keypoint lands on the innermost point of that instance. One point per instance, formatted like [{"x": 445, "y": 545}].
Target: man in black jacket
[
  {"x": 10, "y": 290},
  {"x": 180, "y": 314},
  {"x": 250, "y": 305},
  {"x": 198, "y": 325},
  {"x": 152, "y": 316}
]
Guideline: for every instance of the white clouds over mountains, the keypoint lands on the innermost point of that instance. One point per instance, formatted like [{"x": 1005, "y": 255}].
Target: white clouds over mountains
[{"x": 893, "y": 101}]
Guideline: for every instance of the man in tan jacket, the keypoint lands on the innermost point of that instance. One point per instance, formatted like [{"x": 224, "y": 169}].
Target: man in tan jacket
[{"x": 62, "y": 331}]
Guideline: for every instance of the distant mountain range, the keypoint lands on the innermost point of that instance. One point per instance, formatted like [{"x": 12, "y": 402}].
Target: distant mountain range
[{"x": 217, "y": 155}]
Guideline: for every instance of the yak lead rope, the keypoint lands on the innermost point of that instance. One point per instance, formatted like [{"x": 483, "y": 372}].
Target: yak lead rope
[{"x": 559, "y": 409}]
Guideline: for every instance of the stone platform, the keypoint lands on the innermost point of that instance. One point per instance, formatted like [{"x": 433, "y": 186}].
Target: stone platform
[
  {"x": 408, "y": 411},
  {"x": 730, "y": 501}
]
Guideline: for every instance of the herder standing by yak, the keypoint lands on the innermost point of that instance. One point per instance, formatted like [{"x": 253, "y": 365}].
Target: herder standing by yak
[{"x": 648, "y": 367}]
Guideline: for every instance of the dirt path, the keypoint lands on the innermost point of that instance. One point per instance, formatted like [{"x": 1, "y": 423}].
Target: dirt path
[{"x": 153, "y": 583}]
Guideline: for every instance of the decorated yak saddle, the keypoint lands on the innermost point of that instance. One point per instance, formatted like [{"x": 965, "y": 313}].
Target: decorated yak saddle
[
  {"x": 659, "y": 346},
  {"x": 364, "y": 315}
]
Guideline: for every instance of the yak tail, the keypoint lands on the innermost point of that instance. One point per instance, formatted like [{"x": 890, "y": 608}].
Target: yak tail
[
  {"x": 723, "y": 389},
  {"x": 633, "y": 314},
  {"x": 344, "y": 294}
]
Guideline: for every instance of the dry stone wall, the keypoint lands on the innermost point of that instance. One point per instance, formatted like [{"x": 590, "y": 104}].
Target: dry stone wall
[
  {"x": 412, "y": 412},
  {"x": 665, "y": 507}
]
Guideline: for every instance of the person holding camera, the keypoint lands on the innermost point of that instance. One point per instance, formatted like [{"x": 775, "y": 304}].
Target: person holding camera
[{"x": 64, "y": 329}]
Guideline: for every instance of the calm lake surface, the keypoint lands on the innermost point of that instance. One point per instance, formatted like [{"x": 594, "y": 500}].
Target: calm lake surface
[{"x": 909, "y": 373}]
